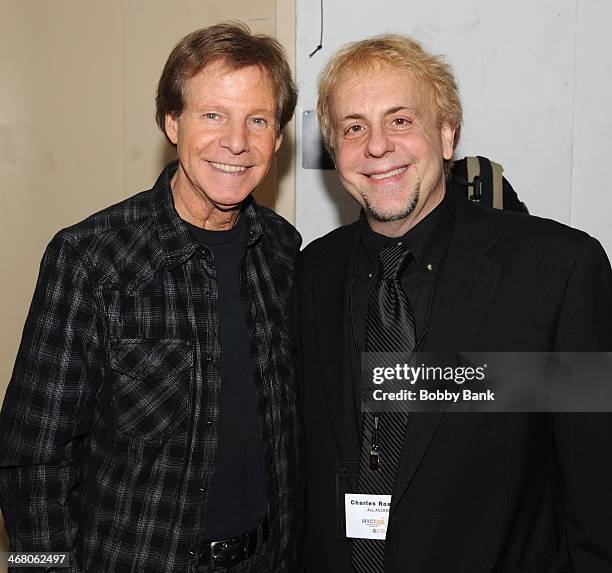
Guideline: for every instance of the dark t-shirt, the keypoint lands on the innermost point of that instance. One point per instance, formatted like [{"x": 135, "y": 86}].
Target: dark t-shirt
[{"x": 237, "y": 498}]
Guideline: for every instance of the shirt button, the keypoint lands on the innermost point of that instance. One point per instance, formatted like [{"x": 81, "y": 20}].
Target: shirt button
[
  {"x": 202, "y": 490},
  {"x": 191, "y": 553},
  {"x": 209, "y": 359},
  {"x": 209, "y": 423},
  {"x": 207, "y": 293}
]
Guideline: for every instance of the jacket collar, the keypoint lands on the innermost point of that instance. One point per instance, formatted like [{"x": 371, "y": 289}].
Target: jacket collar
[
  {"x": 467, "y": 282},
  {"x": 332, "y": 286}
]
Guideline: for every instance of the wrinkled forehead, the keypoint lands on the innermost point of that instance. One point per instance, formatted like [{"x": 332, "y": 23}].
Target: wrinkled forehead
[
  {"x": 220, "y": 73},
  {"x": 221, "y": 67},
  {"x": 362, "y": 83},
  {"x": 245, "y": 90}
]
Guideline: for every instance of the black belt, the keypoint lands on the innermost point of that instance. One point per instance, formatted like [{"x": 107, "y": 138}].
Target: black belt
[{"x": 230, "y": 552}]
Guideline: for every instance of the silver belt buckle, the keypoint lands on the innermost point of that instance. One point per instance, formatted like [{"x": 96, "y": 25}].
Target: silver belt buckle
[{"x": 218, "y": 560}]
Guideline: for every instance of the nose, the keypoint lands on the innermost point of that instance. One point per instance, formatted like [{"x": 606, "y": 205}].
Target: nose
[
  {"x": 378, "y": 142},
  {"x": 235, "y": 138}
]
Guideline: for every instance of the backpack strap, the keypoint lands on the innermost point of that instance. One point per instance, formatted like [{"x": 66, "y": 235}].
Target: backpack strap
[
  {"x": 483, "y": 182},
  {"x": 498, "y": 185},
  {"x": 474, "y": 166},
  {"x": 473, "y": 171}
]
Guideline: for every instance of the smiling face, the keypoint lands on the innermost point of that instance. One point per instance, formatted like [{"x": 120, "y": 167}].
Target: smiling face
[
  {"x": 226, "y": 138},
  {"x": 389, "y": 147}
]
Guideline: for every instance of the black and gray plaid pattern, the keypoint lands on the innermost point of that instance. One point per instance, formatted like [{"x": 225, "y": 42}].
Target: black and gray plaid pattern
[
  {"x": 108, "y": 431},
  {"x": 390, "y": 328}
]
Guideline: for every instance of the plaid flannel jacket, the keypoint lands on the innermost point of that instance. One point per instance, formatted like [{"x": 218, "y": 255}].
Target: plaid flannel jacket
[{"x": 108, "y": 431}]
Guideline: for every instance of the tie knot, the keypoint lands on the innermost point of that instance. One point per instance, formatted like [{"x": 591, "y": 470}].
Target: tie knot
[{"x": 391, "y": 259}]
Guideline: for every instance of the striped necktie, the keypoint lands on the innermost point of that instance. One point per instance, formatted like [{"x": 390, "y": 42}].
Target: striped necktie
[{"x": 389, "y": 328}]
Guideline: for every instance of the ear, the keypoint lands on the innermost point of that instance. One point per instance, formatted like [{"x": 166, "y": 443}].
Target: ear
[
  {"x": 171, "y": 125},
  {"x": 448, "y": 140},
  {"x": 279, "y": 140}
]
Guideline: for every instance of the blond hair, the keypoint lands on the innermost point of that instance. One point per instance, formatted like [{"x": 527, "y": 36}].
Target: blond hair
[{"x": 399, "y": 52}]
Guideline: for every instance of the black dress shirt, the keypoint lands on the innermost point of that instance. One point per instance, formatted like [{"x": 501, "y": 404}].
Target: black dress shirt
[{"x": 427, "y": 241}]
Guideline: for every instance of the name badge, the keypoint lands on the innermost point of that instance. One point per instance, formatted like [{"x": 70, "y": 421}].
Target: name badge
[{"x": 367, "y": 515}]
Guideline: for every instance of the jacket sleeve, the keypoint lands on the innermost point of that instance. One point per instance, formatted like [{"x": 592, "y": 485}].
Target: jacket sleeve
[
  {"x": 584, "y": 440},
  {"x": 47, "y": 409}
]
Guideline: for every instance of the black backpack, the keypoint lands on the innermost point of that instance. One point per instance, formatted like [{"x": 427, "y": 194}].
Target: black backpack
[{"x": 482, "y": 181}]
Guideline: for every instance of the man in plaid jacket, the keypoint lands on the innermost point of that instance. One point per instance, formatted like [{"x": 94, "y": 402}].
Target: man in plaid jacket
[{"x": 149, "y": 424}]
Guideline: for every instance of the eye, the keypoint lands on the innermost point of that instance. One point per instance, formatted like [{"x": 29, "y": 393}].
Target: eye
[
  {"x": 402, "y": 122},
  {"x": 211, "y": 115},
  {"x": 259, "y": 121},
  {"x": 353, "y": 130}
]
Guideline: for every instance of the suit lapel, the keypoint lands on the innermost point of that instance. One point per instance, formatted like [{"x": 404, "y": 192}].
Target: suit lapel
[
  {"x": 332, "y": 298},
  {"x": 465, "y": 290},
  {"x": 467, "y": 283}
]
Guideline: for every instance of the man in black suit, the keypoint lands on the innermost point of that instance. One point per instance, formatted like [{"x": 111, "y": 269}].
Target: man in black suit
[{"x": 481, "y": 492}]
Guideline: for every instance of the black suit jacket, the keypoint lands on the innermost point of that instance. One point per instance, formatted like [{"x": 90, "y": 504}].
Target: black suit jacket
[{"x": 475, "y": 493}]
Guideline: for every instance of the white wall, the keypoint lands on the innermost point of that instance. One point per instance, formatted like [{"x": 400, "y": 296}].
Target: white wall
[{"x": 535, "y": 78}]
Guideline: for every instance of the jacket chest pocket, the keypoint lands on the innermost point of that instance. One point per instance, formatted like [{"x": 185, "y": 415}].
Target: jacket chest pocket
[
  {"x": 157, "y": 313},
  {"x": 151, "y": 386}
]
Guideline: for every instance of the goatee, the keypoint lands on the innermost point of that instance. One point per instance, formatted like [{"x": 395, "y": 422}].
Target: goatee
[{"x": 385, "y": 217}]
